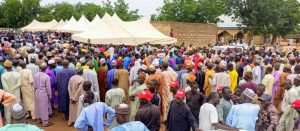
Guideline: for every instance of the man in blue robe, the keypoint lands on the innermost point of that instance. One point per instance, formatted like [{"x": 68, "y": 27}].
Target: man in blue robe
[
  {"x": 62, "y": 82},
  {"x": 92, "y": 117}
]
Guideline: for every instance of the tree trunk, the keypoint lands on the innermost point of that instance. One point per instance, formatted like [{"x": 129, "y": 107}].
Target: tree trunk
[
  {"x": 274, "y": 38},
  {"x": 250, "y": 35}
]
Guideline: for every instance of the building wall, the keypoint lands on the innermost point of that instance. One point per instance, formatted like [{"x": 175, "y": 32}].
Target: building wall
[{"x": 197, "y": 34}]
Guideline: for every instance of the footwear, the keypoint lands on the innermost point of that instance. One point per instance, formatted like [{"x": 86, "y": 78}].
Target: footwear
[
  {"x": 49, "y": 124},
  {"x": 70, "y": 124}
]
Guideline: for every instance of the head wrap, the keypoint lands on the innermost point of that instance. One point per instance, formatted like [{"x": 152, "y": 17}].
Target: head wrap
[
  {"x": 123, "y": 109},
  {"x": 191, "y": 77},
  {"x": 17, "y": 111},
  {"x": 249, "y": 74},
  {"x": 249, "y": 93},
  {"x": 51, "y": 62},
  {"x": 8, "y": 63}
]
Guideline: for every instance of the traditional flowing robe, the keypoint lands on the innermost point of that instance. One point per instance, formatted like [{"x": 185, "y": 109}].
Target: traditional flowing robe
[
  {"x": 268, "y": 81},
  {"x": 102, "y": 80},
  {"x": 279, "y": 95},
  {"x": 42, "y": 87},
  {"x": 62, "y": 81},
  {"x": 135, "y": 104},
  {"x": 27, "y": 91},
  {"x": 286, "y": 122},
  {"x": 207, "y": 84},
  {"x": 75, "y": 90},
  {"x": 81, "y": 103},
  {"x": 233, "y": 79},
  {"x": 134, "y": 71},
  {"x": 275, "y": 89},
  {"x": 123, "y": 76},
  {"x": 34, "y": 68},
  {"x": 91, "y": 75},
  {"x": 93, "y": 116},
  {"x": 164, "y": 91},
  {"x": 11, "y": 83},
  {"x": 110, "y": 77},
  {"x": 6, "y": 99},
  {"x": 220, "y": 79},
  {"x": 51, "y": 74}
]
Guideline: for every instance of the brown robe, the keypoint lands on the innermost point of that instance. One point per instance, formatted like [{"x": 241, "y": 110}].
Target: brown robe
[
  {"x": 102, "y": 81},
  {"x": 279, "y": 95},
  {"x": 123, "y": 76}
]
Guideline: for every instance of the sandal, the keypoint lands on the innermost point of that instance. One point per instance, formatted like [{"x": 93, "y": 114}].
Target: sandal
[{"x": 49, "y": 124}]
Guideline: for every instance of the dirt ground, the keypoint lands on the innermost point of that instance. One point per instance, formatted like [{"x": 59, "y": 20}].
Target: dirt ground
[{"x": 60, "y": 124}]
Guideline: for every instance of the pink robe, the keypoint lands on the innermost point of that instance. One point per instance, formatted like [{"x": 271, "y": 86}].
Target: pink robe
[
  {"x": 43, "y": 94},
  {"x": 75, "y": 90}
]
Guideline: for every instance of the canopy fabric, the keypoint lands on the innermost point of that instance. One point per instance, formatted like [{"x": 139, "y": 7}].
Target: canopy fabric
[
  {"x": 144, "y": 32},
  {"x": 113, "y": 30},
  {"x": 94, "y": 22},
  {"x": 40, "y": 26},
  {"x": 65, "y": 28},
  {"x": 59, "y": 24},
  {"x": 101, "y": 33},
  {"x": 31, "y": 25},
  {"x": 81, "y": 25}
]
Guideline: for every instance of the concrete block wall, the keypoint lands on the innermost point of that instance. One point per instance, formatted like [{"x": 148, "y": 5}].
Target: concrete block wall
[{"x": 197, "y": 34}]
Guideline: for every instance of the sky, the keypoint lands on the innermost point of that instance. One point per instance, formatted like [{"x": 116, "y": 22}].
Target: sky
[{"x": 146, "y": 7}]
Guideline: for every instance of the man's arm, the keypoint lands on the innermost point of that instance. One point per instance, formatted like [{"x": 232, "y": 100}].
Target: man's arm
[
  {"x": 111, "y": 115},
  {"x": 81, "y": 122},
  {"x": 192, "y": 119}
]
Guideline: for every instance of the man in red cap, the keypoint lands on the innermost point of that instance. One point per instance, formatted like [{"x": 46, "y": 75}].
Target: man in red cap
[
  {"x": 174, "y": 87},
  {"x": 180, "y": 117},
  {"x": 148, "y": 113}
]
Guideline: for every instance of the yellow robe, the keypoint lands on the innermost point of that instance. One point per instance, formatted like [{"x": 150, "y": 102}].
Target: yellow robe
[
  {"x": 207, "y": 84},
  {"x": 233, "y": 79}
]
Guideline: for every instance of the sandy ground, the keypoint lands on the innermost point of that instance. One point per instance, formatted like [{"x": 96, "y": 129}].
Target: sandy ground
[{"x": 60, "y": 124}]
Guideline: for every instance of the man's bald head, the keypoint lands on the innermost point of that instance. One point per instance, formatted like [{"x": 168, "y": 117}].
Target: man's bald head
[{"x": 65, "y": 63}]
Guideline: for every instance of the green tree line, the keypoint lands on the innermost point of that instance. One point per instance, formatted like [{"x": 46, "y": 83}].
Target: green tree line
[
  {"x": 258, "y": 17},
  {"x": 19, "y": 13}
]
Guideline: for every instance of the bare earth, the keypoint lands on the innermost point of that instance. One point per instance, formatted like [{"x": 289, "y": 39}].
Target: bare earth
[{"x": 60, "y": 124}]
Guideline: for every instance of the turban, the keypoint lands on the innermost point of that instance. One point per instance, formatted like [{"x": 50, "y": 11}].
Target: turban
[
  {"x": 123, "y": 109},
  {"x": 8, "y": 63},
  {"x": 249, "y": 93}
]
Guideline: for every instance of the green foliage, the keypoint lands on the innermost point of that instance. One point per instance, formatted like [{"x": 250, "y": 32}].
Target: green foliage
[
  {"x": 271, "y": 17},
  {"x": 18, "y": 13},
  {"x": 204, "y": 11}
]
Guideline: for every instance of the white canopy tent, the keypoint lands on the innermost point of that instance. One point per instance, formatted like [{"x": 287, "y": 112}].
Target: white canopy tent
[
  {"x": 113, "y": 30},
  {"x": 71, "y": 23},
  {"x": 143, "y": 31},
  {"x": 94, "y": 22},
  {"x": 81, "y": 25},
  {"x": 40, "y": 26},
  {"x": 59, "y": 24},
  {"x": 101, "y": 33}
]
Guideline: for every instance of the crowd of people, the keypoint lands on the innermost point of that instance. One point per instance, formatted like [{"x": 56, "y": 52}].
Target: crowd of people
[{"x": 141, "y": 88}]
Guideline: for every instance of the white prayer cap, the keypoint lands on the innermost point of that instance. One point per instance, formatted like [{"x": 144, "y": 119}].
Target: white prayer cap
[{"x": 51, "y": 61}]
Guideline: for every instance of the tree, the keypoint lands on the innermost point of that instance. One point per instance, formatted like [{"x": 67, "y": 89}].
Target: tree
[
  {"x": 64, "y": 11},
  {"x": 88, "y": 9},
  {"x": 12, "y": 13},
  {"x": 46, "y": 14},
  {"x": 122, "y": 10},
  {"x": 203, "y": 11},
  {"x": 272, "y": 17},
  {"x": 30, "y": 10}
]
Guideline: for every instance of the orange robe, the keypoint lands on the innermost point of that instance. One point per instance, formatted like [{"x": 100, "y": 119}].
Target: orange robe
[
  {"x": 7, "y": 99},
  {"x": 280, "y": 93},
  {"x": 102, "y": 81},
  {"x": 123, "y": 77}
]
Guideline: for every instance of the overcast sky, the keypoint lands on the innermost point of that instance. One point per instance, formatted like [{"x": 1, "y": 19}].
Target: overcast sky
[{"x": 146, "y": 7}]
